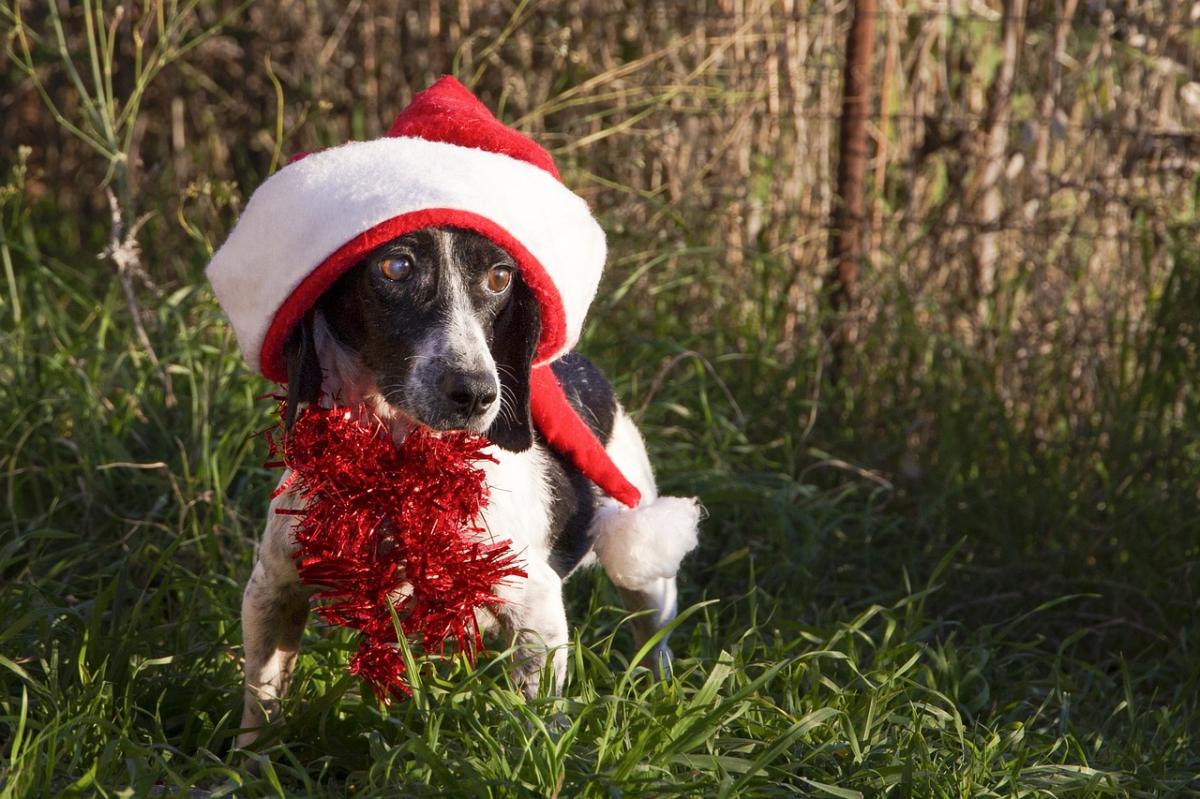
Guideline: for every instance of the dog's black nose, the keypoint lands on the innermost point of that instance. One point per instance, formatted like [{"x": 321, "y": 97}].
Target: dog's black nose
[{"x": 468, "y": 392}]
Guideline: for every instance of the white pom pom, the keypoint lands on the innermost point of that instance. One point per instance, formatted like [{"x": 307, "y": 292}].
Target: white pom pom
[{"x": 637, "y": 546}]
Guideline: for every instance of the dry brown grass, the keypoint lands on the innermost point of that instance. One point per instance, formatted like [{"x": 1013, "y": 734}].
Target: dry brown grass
[{"x": 705, "y": 135}]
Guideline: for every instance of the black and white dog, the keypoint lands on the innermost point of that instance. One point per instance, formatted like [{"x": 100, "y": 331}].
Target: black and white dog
[{"x": 438, "y": 328}]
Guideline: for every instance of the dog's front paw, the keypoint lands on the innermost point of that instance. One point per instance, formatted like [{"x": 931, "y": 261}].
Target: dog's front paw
[
  {"x": 526, "y": 672},
  {"x": 529, "y": 664}
]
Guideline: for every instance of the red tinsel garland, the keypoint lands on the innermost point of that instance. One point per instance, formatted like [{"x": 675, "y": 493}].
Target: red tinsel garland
[{"x": 385, "y": 526}]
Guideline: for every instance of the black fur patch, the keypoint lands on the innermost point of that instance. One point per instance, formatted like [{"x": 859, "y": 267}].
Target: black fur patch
[
  {"x": 572, "y": 508},
  {"x": 589, "y": 392},
  {"x": 573, "y": 500}
]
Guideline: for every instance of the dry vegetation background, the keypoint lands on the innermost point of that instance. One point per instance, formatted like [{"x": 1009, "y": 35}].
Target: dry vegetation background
[
  {"x": 1025, "y": 317},
  {"x": 1029, "y": 163},
  {"x": 1033, "y": 184}
]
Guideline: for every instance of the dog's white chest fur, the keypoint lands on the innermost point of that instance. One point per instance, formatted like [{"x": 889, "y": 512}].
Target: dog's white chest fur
[{"x": 518, "y": 506}]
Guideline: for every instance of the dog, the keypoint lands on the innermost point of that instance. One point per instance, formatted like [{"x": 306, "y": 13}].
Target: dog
[{"x": 438, "y": 328}]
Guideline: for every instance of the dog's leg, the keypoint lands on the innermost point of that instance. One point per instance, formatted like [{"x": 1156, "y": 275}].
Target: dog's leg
[
  {"x": 274, "y": 610},
  {"x": 535, "y": 616},
  {"x": 659, "y": 600},
  {"x": 633, "y": 546}
]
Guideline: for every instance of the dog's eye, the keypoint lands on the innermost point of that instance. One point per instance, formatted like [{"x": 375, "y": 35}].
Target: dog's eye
[
  {"x": 396, "y": 267},
  {"x": 498, "y": 278}
]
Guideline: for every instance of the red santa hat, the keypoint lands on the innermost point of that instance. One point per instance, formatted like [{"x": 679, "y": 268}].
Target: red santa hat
[{"x": 445, "y": 161}]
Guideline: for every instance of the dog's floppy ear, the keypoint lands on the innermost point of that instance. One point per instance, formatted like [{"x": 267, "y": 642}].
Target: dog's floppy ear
[
  {"x": 514, "y": 342},
  {"x": 303, "y": 369}
]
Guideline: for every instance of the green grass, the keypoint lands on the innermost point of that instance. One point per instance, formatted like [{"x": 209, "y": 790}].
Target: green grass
[{"x": 1019, "y": 619}]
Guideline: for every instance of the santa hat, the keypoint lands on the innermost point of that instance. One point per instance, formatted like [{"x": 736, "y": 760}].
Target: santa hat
[{"x": 445, "y": 161}]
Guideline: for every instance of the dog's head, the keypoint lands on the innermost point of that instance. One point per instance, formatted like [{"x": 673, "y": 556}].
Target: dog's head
[{"x": 444, "y": 328}]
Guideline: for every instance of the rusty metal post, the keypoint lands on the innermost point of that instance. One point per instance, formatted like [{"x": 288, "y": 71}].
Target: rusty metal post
[{"x": 849, "y": 208}]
